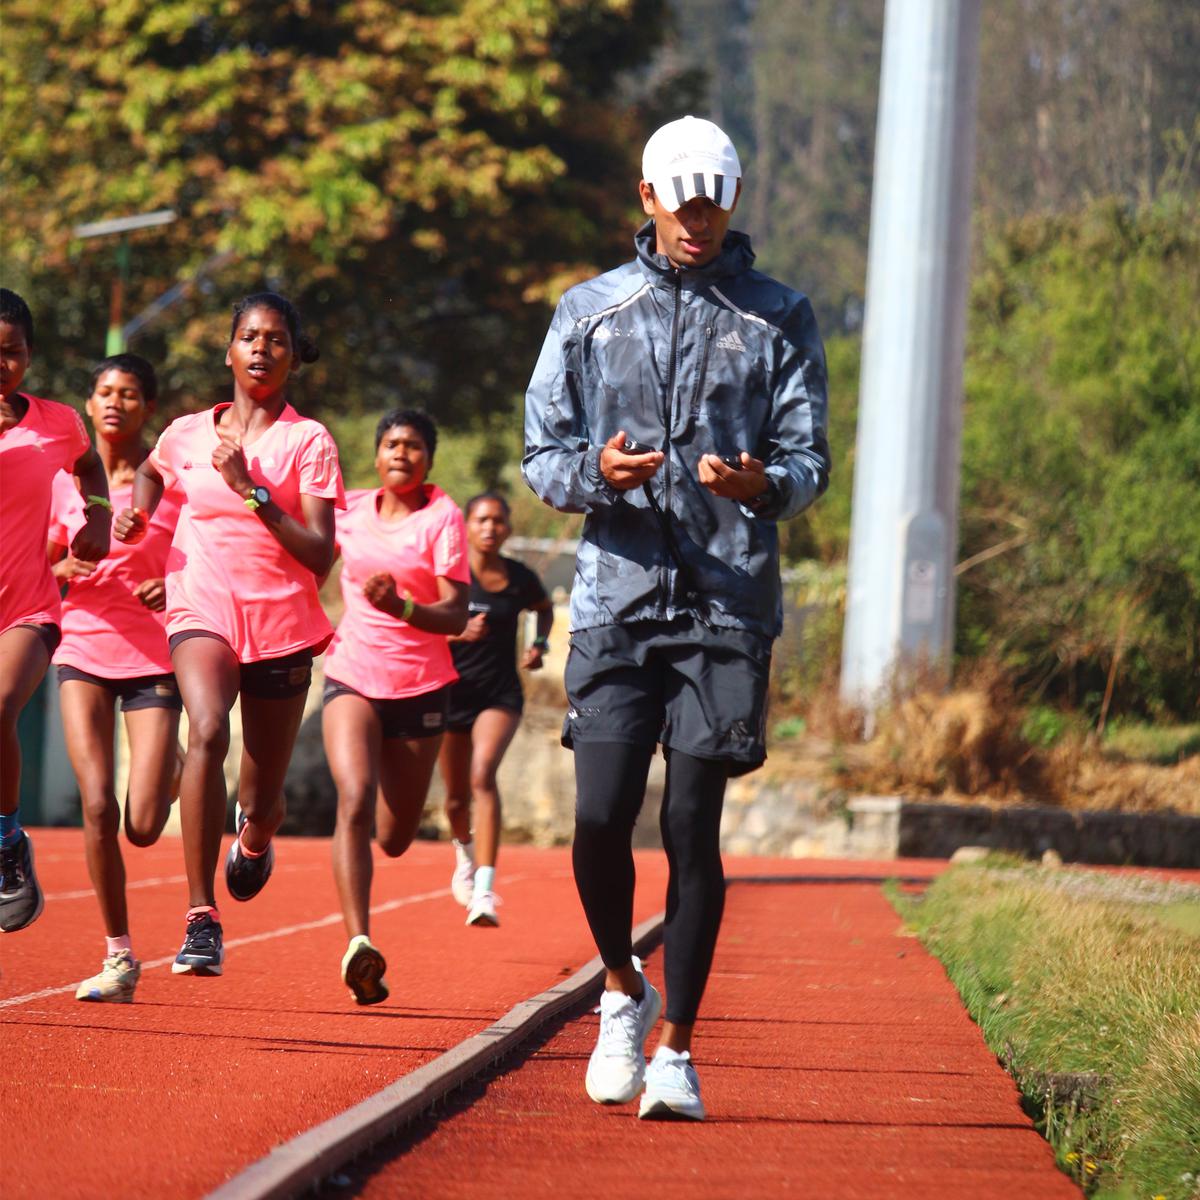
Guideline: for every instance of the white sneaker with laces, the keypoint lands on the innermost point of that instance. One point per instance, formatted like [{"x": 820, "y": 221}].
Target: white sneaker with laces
[
  {"x": 617, "y": 1069},
  {"x": 117, "y": 979},
  {"x": 483, "y": 909},
  {"x": 462, "y": 882},
  {"x": 672, "y": 1088}
]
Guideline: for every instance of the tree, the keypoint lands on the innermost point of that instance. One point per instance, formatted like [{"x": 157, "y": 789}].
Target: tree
[
  {"x": 1081, "y": 438},
  {"x": 423, "y": 179}
]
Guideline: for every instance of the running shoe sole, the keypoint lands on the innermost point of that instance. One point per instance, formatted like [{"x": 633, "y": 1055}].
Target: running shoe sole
[
  {"x": 363, "y": 975},
  {"x": 660, "y": 1110},
  {"x": 178, "y": 968}
]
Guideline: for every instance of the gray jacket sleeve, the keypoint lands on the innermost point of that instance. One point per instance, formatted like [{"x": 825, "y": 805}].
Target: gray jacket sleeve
[
  {"x": 797, "y": 454},
  {"x": 561, "y": 465}
]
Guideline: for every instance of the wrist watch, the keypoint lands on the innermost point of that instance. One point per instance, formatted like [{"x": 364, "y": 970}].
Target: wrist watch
[
  {"x": 765, "y": 497},
  {"x": 257, "y": 497}
]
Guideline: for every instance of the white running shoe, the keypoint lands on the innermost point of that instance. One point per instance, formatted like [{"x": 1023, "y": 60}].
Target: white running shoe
[
  {"x": 617, "y": 1069},
  {"x": 462, "y": 882},
  {"x": 116, "y": 981},
  {"x": 483, "y": 909},
  {"x": 672, "y": 1088}
]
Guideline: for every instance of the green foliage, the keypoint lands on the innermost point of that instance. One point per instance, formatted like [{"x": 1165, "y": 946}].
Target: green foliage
[
  {"x": 1136, "y": 741},
  {"x": 1080, "y": 533},
  {"x": 1043, "y": 726},
  {"x": 423, "y": 179}
]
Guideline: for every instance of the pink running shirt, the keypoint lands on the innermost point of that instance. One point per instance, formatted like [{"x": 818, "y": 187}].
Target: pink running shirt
[
  {"x": 106, "y": 630},
  {"x": 49, "y": 438},
  {"x": 226, "y": 574},
  {"x": 373, "y": 653}
]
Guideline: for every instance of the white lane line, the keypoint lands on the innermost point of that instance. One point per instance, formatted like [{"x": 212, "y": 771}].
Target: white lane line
[
  {"x": 283, "y": 931},
  {"x": 88, "y": 893}
]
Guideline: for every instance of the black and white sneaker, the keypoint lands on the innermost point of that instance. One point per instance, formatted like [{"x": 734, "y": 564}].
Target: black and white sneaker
[
  {"x": 245, "y": 877},
  {"x": 21, "y": 899},
  {"x": 203, "y": 951}
]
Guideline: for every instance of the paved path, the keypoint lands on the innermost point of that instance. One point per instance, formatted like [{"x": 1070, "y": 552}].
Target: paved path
[{"x": 836, "y": 1057}]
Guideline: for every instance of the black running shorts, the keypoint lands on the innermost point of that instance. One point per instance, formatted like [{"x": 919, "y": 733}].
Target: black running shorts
[
  {"x": 268, "y": 679},
  {"x": 144, "y": 691},
  {"x": 422, "y": 716},
  {"x": 697, "y": 690}
]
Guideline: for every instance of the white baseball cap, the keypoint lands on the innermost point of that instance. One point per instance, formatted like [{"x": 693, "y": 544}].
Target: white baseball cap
[{"x": 691, "y": 157}]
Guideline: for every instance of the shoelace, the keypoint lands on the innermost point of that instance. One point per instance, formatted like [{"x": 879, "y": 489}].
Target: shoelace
[
  {"x": 200, "y": 933},
  {"x": 676, "y": 1076},
  {"x": 10, "y": 867},
  {"x": 619, "y": 1030}
]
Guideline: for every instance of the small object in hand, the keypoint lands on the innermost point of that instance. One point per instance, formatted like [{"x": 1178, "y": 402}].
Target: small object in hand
[
  {"x": 733, "y": 461},
  {"x": 635, "y": 447}
]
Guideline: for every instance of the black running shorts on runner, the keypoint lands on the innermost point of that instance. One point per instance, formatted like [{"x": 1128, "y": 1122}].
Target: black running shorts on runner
[
  {"x": 268, "y": 679},
  {"x": 697, "y": 690},
  {"x": 47, "y": 633},
  {"x": 467, "y": 702},
  {"x": 144, "y": 691},
  {"x": 411, "y": 717}
]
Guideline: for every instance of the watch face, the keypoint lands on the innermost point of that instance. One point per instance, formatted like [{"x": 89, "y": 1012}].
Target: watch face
[{"x": 261, "y": 494}]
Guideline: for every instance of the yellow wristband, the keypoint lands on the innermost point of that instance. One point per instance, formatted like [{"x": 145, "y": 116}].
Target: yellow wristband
[
  {"x": 97, "y": 502},
  {"x": 407, "y": 610}
]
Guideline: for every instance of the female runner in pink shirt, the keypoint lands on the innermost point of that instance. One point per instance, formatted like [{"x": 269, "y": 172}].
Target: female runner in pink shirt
[
  {"x": 387, "y": 674},
  {"x": 114, "y": 648},
  {"x": 38, "y": 438},
  {"x": 255, "y": 535}
]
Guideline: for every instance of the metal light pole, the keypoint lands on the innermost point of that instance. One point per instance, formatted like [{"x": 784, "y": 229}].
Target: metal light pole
[
  {"x": 900, "y": 602},
  {"x": 115, "y": 341}
]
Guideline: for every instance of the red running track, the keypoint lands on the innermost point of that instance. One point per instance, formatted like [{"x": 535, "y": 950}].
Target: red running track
[
  {"x": 175, "y": 1093},
  {"x": 835, "y": 1056},
  {"x": 835, "y": 1059}
]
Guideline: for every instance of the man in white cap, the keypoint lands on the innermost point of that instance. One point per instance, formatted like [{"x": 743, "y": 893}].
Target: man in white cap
[{"x": 680, "y": 402}]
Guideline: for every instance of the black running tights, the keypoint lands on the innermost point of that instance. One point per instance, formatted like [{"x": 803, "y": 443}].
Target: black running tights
[{"x": 610, "y": 783}]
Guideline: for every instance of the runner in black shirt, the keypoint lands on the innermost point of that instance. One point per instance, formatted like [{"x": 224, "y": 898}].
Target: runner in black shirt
[{"x": 486, "y": 702}]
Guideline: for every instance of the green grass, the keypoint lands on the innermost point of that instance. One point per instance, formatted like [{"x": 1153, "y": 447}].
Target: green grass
[
  {"x": 1160, "y": 744},
  {"x": 1088, "y": 987}
]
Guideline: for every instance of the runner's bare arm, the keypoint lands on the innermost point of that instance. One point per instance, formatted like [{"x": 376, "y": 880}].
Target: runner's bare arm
[
  {"x": 92, "y": 541},
  {"x": 447, "y": 614},
  {"x": 131, "y": 523}
]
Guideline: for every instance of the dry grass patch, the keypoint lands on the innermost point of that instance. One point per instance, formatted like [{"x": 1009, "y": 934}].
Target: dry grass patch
[{"x": 1093, "y": 1002}]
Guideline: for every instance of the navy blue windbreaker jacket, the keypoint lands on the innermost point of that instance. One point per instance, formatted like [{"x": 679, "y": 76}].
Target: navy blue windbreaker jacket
[{"x": 709, "y": 361}]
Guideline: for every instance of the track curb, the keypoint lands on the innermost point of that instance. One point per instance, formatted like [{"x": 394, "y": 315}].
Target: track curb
[{"x": 297, "y": 1165}]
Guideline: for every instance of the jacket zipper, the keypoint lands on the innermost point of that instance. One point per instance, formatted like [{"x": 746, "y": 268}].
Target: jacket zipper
[{"x": 668, "y": 403}]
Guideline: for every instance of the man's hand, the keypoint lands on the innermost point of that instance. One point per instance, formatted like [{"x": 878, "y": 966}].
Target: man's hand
[
  {"x": 740, "y": 485},
  {"x": 230, "y": 462},
  {"x": 531, "y": 660},
  {"x": 130, "y": 526},
  {"x": 624, "y": 471},
  {"x": 71, "y": 568},
  {"x": 152, "y": 593}
]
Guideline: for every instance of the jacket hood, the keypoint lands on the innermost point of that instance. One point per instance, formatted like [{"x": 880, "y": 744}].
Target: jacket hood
[{"x": 736, "y": 255}]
